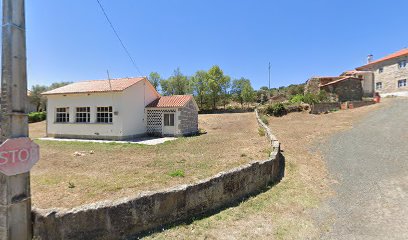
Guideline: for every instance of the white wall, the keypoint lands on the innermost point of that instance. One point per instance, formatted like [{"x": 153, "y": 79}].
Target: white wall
[
  {"x": 134, "y": 102},
  {"x": 91, "y": 100}
]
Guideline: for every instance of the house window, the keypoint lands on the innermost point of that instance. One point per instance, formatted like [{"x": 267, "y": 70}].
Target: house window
[
  {"x": 402, "y": 64},
  {"x": 380, "y": 70},
  {"x": 169, "y": 119},
  {"x": 378, "y": 85},
  {"x": 104, "y": 114},
  {"x": 62, "y": 115},
  {"x": 83, "y": 114},
  {"x": 402, "y": 83}
]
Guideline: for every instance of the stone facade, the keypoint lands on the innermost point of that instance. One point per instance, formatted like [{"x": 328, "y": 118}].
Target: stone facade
[
  {"x": 131, "y": 217},
  {"x": 387, "y": 74},
  {"x": 324, "y": 107},
  {"x": 188, "y": 119},
  {"x": 349, "y": 89}
]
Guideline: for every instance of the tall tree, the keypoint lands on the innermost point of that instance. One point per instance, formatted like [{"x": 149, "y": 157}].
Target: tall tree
[
  {"x": 200, "y": 86},
  {"x": 154, "y": 79},
  {"x": 248, "y": 93},
  {"x": 36, "y": 98},
  {"x": 57, "y": 85},
  {"x": 225, "y": 85},
  {"x": 215, "y": 79},
  {"x": 237, "y": 88},
  {"x": 177, "y": 84}
]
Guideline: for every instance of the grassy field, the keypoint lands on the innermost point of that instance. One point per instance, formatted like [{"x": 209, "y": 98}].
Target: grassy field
[
  {"x": 284, "y": 211},
  {"x": 111, "y": 171}
]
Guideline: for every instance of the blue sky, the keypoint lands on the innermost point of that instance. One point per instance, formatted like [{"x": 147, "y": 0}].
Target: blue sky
[{"x": 70, "y": 40}]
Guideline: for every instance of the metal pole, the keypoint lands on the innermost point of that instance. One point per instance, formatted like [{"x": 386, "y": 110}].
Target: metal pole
[
  {"x": 269, "y": 76},
  {"x": 15, "y": 197}
]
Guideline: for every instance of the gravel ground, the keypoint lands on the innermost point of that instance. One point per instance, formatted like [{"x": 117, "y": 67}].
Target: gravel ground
[{"x": 370, "y": 164}]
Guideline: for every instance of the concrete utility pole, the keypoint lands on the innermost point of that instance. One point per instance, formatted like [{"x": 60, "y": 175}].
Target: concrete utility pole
[{"x": 15, "y": 197}]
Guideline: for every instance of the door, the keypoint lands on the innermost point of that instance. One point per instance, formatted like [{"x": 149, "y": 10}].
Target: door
[{"x": 168, "y": 124}]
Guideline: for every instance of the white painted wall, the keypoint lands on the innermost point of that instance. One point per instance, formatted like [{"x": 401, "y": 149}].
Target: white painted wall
[
  {"x": 129, "y": 105},
  {"x": 134, "y": 101},
  {"x": 92, "y": 100}
]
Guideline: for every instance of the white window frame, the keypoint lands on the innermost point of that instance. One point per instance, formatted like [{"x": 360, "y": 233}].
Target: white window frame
[
  {"x": 170, "y": 119},
  {"x": 104, "y": 114},
  {"x": 378, "y": 85},
  {"x": 62, "y": 115},
  {"x": 402, "y": 83},
  {"x": 83, "y": 114}
]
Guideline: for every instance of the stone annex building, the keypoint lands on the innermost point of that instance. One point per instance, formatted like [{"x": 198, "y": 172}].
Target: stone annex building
[
  {"x": 118, "y": 109},
  {"x": 387, "y": 76}
]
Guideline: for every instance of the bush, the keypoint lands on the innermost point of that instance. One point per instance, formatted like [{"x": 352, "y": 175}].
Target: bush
[
  {"x": 277, "y": 109},
  {"x": 261, "y": 132},
  {"x": 298, "y": 98},
  {"x": 36, "y": 117},
  {"x": 264, "y": 119}
]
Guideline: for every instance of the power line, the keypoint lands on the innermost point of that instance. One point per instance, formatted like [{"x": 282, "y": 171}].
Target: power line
[{"x": 120, "y": 40}]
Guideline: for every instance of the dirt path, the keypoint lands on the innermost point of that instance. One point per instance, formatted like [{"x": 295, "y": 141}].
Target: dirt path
[{"x": 370, "y": 163}]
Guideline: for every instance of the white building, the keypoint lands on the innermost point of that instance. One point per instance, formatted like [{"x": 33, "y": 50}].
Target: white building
[{"x": 116, "y": 110}]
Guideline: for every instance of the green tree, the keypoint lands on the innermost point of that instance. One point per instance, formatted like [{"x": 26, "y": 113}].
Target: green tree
[
  {"x": 57, "y": 85},
  {"x": 154, "y": 79},
  {"x": 248, "y": 93},
  {"x": 177, "y": 84},
  {"x": 215, "y": 81},
  {"x": 199, "y": 84},
  {"x": 36, "y": 98},
  {"x": 236, "y": 90},
  {"x": 225, "y": 85}
]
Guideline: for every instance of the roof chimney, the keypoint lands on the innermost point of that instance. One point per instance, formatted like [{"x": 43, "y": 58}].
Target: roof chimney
[{"x": 369, "y": 58}]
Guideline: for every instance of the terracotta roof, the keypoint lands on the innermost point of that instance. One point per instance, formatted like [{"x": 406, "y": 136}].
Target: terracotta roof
[
  {"x": 400, "y": 53},
  {"x": 339, "y": 80},
  {"x": 95, "y": 86},
  {"x": 170, "y": 101}
]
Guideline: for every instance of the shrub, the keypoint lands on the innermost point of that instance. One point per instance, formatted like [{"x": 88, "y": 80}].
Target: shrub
[
  {"x": 298, "y": 98},
  {"x": 36, "y": 117},
  {"x": 277, "y": 109},
  {"x": 264, "y": 119},
  {"x": 261, "y": 132}
]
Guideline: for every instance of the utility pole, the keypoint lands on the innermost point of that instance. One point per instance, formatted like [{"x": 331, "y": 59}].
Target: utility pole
[
  {"x": 15, "y": 196},
  {"x": 269, "y": 75}
]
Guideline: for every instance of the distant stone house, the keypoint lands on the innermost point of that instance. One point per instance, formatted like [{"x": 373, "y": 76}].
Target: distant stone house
[
  {"x": 346, "y": 88},
  {"x": 118, "y": 109},
  {"x": 390, "y": 73},
  {"x": 367, "y": 80}
]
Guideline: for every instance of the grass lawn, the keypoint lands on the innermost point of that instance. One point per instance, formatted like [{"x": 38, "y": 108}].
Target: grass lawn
[
  {"x": 112, "y": 171},
  {"x": 284, "y": 211}
]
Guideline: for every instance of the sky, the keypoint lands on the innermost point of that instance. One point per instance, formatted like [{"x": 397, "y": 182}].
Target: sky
[{"x": 70, "y": 40}]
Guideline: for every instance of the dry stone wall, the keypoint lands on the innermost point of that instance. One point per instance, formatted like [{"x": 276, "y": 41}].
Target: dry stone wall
[{"x": 133, "y": 216}]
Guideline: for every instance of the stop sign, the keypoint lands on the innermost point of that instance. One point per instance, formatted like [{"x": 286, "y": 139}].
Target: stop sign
[{"x": 18, "y": 155}]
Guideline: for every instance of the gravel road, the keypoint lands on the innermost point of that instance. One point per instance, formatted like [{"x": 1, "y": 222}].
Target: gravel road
[{"x": 370, "y": 164}]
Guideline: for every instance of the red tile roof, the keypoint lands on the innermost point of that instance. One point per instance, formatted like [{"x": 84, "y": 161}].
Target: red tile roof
[
  {"x": 400, "y": 53},
  {"x": 170, "y": 101},
  {"x": 339, "y": 80},
  {"x": 96, "y": 86}
]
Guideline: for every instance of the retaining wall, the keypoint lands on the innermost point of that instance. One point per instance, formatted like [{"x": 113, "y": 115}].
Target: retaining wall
[
  {"x": 357, "y": 104},
  {"x": 324, "y": 107},
  {"x": 131, "y": 217}
]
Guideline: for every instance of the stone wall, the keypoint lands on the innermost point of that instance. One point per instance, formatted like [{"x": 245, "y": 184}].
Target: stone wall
[
  {"x": 357, "y": 104},
  {"x": 347, "y": 90},
  {"x": 324, "y": 107},
  {"x": 188, "y": 119},
  {"x": 133, "y": 216}
]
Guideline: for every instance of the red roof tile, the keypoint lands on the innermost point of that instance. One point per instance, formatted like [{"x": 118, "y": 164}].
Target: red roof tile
[
  {"x": 400, "y": 53},
  {"x": 170, "y": 101},
  {"x": 95, "y": 86}
]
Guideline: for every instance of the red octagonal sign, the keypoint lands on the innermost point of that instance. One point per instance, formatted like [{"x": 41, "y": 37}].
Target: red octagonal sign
[{"x": 18, "y": 155}]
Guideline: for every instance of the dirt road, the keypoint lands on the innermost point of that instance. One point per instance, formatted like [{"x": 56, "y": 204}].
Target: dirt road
[{"x": 370, "y": 164}]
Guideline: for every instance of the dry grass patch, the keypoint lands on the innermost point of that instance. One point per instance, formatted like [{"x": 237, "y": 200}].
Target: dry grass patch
[
  {"x": 282, "y": 212},
  {"x": 111, "y": 171}
]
